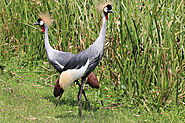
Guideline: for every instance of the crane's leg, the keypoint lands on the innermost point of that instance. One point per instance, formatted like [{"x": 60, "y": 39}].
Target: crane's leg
[
  {"x": 80, "y": 97},
  {"x": 58, "y": 99},
  {"x": 83, "y": 92}
]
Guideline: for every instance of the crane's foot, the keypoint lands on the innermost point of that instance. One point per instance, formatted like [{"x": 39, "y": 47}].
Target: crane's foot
[{"x": 102, "y": 102}]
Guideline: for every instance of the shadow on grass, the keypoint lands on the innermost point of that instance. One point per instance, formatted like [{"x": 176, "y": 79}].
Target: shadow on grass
[
  {"x": 63, "y": 116},
  {"x": 68, "y": 101},
  {"x": 74, "y": 116},
  {"x": 73, "y": 103}
]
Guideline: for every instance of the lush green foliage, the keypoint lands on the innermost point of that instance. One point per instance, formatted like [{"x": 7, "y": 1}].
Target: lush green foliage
[{"x": 143, "y": 64}]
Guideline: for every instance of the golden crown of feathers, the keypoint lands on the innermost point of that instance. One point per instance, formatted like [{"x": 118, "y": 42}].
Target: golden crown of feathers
[{"x": 46, "y": 18}]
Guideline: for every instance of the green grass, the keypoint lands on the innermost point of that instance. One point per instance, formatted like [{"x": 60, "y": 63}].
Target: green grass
[
  {"x": 141, "y": 75},
  {"x": 24, "y": 97}
]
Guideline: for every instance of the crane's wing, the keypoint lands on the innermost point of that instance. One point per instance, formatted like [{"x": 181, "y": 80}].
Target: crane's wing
[
  {"x": 90, "y": 57},
  {"x": 73, "y": 70},
  {"x": 76, "y": 62},
  {"x": 94, "y": 57},
  {"x": 92, "y": 64},
  {"x": 59, "y": 59}
]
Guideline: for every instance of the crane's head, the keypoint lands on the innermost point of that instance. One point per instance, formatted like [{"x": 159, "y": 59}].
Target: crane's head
[
  {"x": 57, "y": 90},
  {"x": 107, "y": 9},
  {"x": 41, "y": 23}
]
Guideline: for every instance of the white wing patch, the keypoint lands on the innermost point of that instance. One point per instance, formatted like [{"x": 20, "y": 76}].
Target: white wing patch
[
  {"x": 59, "y": 64},
  {"x": 69, "y": 76}
]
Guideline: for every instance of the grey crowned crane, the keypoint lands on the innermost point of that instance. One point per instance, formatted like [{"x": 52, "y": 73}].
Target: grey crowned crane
[
  {"x": 82, "y": 64},
  {"x": 59, "y": 59}
]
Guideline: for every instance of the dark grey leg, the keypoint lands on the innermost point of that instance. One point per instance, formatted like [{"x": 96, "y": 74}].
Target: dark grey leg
[
  {"x": 80, "y": 97},
  {"x": 59, "y": 99},
  {"x": 83, "y": 92}
]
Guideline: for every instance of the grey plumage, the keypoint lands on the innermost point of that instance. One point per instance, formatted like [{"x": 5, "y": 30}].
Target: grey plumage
[
  {"x": 56, "y": 58},
  {"x": 94, "y": 53}
]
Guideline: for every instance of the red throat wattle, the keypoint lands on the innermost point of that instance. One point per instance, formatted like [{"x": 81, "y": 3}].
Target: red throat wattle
[
  {"x": 43, "y": 30},
  {"x": 107, "y": 17}
]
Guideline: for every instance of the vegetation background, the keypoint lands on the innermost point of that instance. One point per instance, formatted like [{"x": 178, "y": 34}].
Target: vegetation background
[{"x": 141, "y": 75}]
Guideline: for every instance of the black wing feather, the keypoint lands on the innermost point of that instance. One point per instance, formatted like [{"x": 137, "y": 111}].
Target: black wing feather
[
  {"x": 92, "y": 65},
  {"x": 76, "y": 62}
]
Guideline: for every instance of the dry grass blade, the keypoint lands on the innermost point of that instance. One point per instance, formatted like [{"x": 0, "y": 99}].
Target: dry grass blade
[
  {"x": 46, "y": 18},
  {"x": 28, "y": 118}
]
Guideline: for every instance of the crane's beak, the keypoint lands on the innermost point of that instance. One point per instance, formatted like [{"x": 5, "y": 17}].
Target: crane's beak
[
  {"x": 110, "y": 11},
  {"x": 36, "y": 23}
]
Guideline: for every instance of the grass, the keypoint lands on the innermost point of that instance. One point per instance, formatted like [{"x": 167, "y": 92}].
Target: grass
[
  {"x": 24, "y": 97},
  {"x": 141, "y": 75}
]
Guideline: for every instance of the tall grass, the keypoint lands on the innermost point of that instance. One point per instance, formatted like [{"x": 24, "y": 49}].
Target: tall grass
[{"x": 144, "y": 51}]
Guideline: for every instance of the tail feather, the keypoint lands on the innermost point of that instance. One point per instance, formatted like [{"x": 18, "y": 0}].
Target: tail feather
[
  {"x": 92, "y": 80},
  {"x": 57, "y": 88}
]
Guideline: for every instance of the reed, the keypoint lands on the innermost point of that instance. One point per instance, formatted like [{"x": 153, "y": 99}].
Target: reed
[{"x": 144, "y": 50}]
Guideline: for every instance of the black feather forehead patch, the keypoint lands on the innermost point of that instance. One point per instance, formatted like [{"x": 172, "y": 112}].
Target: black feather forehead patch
[
  {"x": 39, "y": 20},
  {"x": 109, "y": 7}
]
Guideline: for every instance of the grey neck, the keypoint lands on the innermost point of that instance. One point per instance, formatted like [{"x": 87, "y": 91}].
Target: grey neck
[
  {"x": 101, "y": 39},
  {"x": 103, "y": 28},
  {"x": 48, "y": 47}
]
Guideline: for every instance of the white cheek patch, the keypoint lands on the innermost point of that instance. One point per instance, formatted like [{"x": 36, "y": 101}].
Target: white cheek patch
[
  {"x": 41, "y": 23},
  {"x": 105, "y": 10},
  {"x": 69, "y": 76}
]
